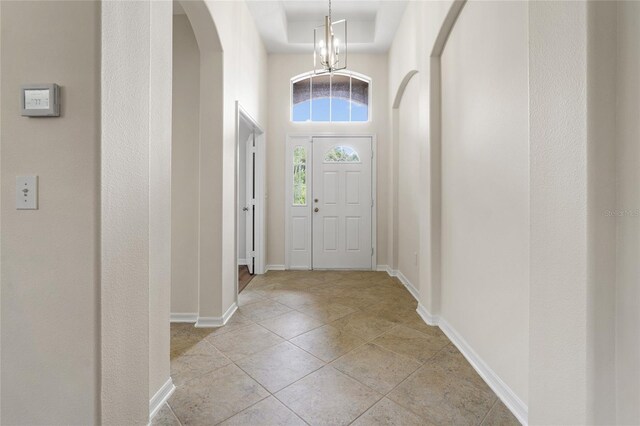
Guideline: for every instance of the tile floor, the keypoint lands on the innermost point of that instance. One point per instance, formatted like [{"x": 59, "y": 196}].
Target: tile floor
[{"x": 324, "y": 348}]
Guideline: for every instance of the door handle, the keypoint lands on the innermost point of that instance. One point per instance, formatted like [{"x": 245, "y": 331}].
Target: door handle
[
  {"x": 316, "y": 210},
  {"x": 245, "y": 209}
]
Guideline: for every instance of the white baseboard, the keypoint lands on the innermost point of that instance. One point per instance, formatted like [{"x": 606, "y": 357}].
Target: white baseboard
[
  {"x": 500, "y": 388},
  {"x": 242, "y": 262},
  {"x": 181, "y": 317},
  {"x": 274, "y": 268},
  {"x": 163, "y": 394},
  {"x": 426, "y": 315},
  {"x": 410, "y": 287},
  {"x": 204, "y": 322},
  {"x": 405, "y": 282}
]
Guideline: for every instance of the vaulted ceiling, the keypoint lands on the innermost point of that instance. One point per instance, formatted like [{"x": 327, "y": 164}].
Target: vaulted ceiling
[{"x": 287, "y": 26}]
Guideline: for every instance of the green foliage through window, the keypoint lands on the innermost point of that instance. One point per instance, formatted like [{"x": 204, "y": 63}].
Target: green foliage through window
[
  {"x": 299, "y": 176},
  {"x": 341, "y": 154}
]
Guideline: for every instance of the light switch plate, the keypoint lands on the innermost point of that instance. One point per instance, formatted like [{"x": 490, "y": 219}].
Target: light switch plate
[{"x": 27, "y": 192}]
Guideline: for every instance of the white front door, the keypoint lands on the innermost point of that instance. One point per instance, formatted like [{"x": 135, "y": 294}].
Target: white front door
[{"x": 341, "y": 203}]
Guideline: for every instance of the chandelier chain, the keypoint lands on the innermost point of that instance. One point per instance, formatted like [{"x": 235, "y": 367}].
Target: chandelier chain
[{"x": 330, "y": 21}]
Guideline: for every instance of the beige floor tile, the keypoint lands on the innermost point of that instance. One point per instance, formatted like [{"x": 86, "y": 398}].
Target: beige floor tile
[
  {"x": 279, "y": 366},
  {"x": 245, "y": 341},
  {"x": 327, "y": 342},
  {"x": 216, "y": 396},
  {"x": 445, "y": 394},
  {"x": 269, "y": 411},
  {"x": 326, "y": 312},
  {"x": 247, "y": 297},
  {"x": 418, "y": 324},
  {"x": 296, "y": 298},
  {"x": 365, "y": 325},
  {"x": 291, "y": 324},
  {"x": 196, "y": 361},
  {"x": 355, "y": 298},
  {"x": 328, "y": 397},
  {"x": 187, "y": 335},
  {"x": 376, "y": 367},
  {"x": 328, "y": 289},
  {"x": 499, "y": 415},
  {"x": 263, "y": 310},
  {"x": 388, "y": 413},
  {"x": 411, "y": 343},
  {"x": 164, "y": 417},
  {"x": 392, "y": 312}
]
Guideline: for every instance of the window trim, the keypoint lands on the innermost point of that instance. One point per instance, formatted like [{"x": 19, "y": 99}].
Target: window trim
[{"x": 311, "y": 74}]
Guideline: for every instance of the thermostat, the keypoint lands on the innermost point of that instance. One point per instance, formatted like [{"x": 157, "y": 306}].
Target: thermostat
[{"x": 40, "y": 100}]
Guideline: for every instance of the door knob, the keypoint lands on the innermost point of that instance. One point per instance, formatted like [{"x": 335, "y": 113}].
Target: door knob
[
  {"x": 316, "y": 200},
  {"x": 245, "y": 209},
  {"x": 316, "y": 210}
]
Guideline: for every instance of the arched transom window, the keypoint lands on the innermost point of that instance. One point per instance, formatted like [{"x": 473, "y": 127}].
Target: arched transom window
[{"x": 330, "y": 98}]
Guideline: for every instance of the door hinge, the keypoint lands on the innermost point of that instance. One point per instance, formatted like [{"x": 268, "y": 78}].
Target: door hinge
[
  {"x": 371, "y": 203},
  {"x": 372, "y": 154},
  {"x": 371, "y": 251}
]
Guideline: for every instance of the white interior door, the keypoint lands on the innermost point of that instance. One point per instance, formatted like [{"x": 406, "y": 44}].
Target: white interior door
[
  {"x": 342, "y": 203},
  {"x": 250, "y": 204}
]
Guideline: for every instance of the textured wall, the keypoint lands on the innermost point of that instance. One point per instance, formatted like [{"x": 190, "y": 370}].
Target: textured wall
[
  {"x": 628, "y": 224},
  {"x": 185, "y": 168},
  {"x": 558, "y": 138},
  {"x": 50, "y": 256},
  {"x": 485, "y": 186}
]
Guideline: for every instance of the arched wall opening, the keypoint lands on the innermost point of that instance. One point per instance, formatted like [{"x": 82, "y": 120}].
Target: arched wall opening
[
  {"x": 464, "y": 171},
  {"x": 404, "y": 216},
  {"x": 205, "y": 305}
]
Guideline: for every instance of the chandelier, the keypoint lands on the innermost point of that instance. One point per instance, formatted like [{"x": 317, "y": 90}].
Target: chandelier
[{"x": 330, "y": 45}]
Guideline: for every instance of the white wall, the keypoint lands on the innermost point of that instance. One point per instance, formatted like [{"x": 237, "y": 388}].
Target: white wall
[
  {"x": 245, "y": 80},
  {"x": 281, "y": 69},
  {"x": 50, "y": 358},
  {"x": 409, "y": 53},
  {"x": 485, "y": 186},
  {"x": 628, "y": 224},
  {"x": 185, "y": 168},
  {"x": 409, "y": 185},
  {"x": 135, "y": 207},
  {"x": 160, "y": 103}
]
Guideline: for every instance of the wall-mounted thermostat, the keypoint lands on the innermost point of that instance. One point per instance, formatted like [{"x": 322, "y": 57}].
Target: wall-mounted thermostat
[{"x": 41, "y": 100}]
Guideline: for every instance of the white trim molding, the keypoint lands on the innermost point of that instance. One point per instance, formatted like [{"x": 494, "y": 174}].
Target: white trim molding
[
  {"x": 183, "y": 317},
  {"x": 204, "y": 322},
  {"x": 426, "y": 315},
  {"x": 404, "y": 280},
  {"x": 500, "y": 388},
  {"x": 275, "y": 268},
  {"x": 160, "y": 398},
  {"x": 410, "y": 287}
]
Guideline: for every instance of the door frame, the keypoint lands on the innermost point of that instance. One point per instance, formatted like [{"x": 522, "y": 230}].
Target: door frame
[
  {"x": 289, "y": 191},
  {"x": 260, "y": 179}
]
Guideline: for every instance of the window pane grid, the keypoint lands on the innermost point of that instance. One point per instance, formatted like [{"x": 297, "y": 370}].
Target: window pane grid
[{"x": 324, "y": 98}]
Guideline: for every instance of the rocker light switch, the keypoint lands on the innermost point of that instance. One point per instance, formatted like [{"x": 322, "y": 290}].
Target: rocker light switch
[{"x": 27, "y": 192}]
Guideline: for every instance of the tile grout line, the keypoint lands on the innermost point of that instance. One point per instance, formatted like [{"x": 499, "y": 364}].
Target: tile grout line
[
  {"x": 407, "y": 378},
  {"x": 488, "y": 411},
  {"x": 355, "y": 310}
]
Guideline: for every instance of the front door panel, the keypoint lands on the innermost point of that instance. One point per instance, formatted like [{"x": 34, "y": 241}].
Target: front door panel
[{"x": 341, "y": 203}]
